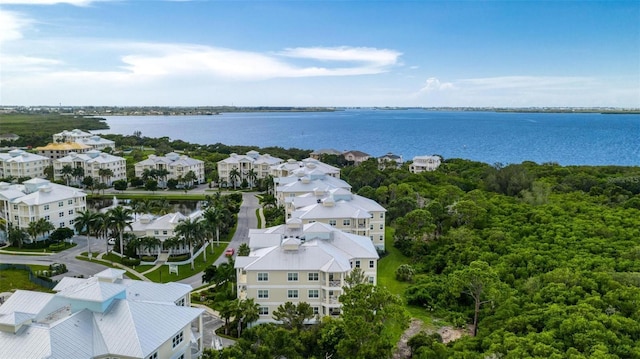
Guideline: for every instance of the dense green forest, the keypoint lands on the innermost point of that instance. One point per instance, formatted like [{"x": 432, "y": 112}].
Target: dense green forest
[
  {"x": 36, "y": 129},
  {"x": 545, "y": 259}
]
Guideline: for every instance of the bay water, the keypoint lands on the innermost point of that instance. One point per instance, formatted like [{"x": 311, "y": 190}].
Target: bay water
[{"x": 490, "y": 137}]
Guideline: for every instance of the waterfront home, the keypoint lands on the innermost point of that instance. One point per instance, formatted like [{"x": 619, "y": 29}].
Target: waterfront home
[
  {"x": 424, "y": 163},
  {"x": 317, "y": 154},
  {"x": 104, "y": 316},
  {"x": 302, "y": 263},
  {"x": 21, "y": 204},
  {"x": 94, "y": 164},
  {"x": 357, "y": 157},
  {"x": 21, "y": 164},
  {"x": 390, "y": 160}
]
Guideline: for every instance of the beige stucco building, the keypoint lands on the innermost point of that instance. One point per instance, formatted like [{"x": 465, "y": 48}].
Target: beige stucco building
[
  {"x": 176, "y": 165},
  {"x": 244, "y": 165},
  {"x": 302, "y": 263},
  {"x": 19, "y": 164},
  {"x": 92, "y": 162}
]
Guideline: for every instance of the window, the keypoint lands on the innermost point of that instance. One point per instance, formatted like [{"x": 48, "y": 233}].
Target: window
[
  {"x": 371, "y": 226},
  {"x": 15, "y": 218},
  {"x": 315, "y": 311},
  {"x": 313, "y": 293},
  {"x": 180, "y": 302},
  {"x": 181, "y": 356},
  {"x": 357, "y": 264},
  {"x": 47, "y": 217},
  {"x": 292, "y": 293},
  {"x": 381, "y": 226},
  {"x": 263, "y": 277},
  {"x": 164, "y": 233},
  {"x": 381, "y": 215},
  {"x": 371, "y": 279},
  {"x": 60, "y": 204},
  {"x": 292, "y": 277},
  {"x": 15, "y": 206},
  {"x": 46, "y": 207},
  {"x": 70, "y": 212},
  {"x": 70, "y": 201},
  {"x": 60, "y": 214},
  {"x": 263, "y": 293},
  {"x": 371, "y": 264},
  {"x": 332, "y": 222},
  {"x": 178, "y": 339},
  {"x": 61, "y": 224},
  {"x": 263, "y": 310},
  {"x": 346, "y": 222},
  {"x": 153, "y": 356},
  {"x": 313, "y": 277}
]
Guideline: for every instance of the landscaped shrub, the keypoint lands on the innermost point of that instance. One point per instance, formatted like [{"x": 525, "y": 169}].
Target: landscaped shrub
[
  {"x": 57, "y": 247},
  {"x": 148, "y": 258},
  {"x": 130, "y": 262},
  {"x": 178, "y": 258}
]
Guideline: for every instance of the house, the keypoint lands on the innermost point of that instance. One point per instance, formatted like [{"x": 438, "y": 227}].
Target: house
[
  {"x": 342, "y": 210},
  {"x": 97, "y": 143},
  {"x": 93, "y": 164},
  {"x": 9, "y": 137},
  {"x": 357, "y": 157},
  {"x": 302, "y": 263},
  {"x": 307, "y": 166},
  {"x": 176, "y": 166},
  {"x": 252, "y": 167},
  {"x": 60, "y": 150},
  {"x": 318, "y": 154},
  {"x": 104, "y": 316},
  {"x": 390, "y": 160},
  {"x": 424, "y": 163},
  {"x": 37, "y": 198},
  {"x": 19, "y": 164}
]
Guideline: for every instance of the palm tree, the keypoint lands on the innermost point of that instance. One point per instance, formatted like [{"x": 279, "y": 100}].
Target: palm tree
[
  {"x": 44, "y": 226},
  {"x": 162, "y": 174},
  {"x": 247, "y": 311},
  {"x": 213, "y": 217},
  {"x": 119, "y": 218},
  {"x": 16, "y": 235},
  {"x": 252, "y": 176},
  {"x": 171, "y": 243},
  {"x": 85, "y": 222},
  {"x": 78, "y": 173},
  {"x": 105, "y": 173},
  {"x": 234, "y": 175},
  {"x": 190, "y": 177},
  {"x": 190, "y": 230},
  {"x": 142, "y": 206},
  {"x": 33, "y": 231},
  {"x": 66, "y": 172},
  {"x": 160, "y": 206}
]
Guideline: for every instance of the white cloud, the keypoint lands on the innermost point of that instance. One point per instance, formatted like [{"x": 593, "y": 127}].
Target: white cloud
[
  {"x": 373, "y": 56},
  {"x": 12, "y": 25},
  {"x": 433, "y": 84}
]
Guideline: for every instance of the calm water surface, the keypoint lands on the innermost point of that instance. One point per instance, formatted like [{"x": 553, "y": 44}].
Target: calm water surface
[{"x": 568, "y": 139}]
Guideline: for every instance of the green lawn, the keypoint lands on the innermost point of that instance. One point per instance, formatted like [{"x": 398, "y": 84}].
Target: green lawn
[
  {"x": 161, "y": 275},
  {"x": 31, "y": 251},
  {"x": 12, "y": 279}
]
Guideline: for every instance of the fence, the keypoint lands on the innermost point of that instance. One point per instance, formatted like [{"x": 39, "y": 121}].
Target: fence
[{"x": 47, "y": 283}]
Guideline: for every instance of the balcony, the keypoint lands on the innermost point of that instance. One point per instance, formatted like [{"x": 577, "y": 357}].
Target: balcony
[{"x": 334, "y": 283}]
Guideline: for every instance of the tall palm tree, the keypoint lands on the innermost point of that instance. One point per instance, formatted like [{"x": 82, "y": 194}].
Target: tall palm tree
[
  {"x": 247, "y": 312},
  {"x": 78, "y": 173},
  {"x": 85, "y": 222},
  {"x": 190, "y": 229},
  {"x": 252, "y": 176},
  {"x": 162, "y": 174},
  {"x": 213, "y": 217},
  {"x": 190, "y": 177},
  {"x": 66, "y": 172},
  {"x": 105, "y": 175},
  {"x": 234, "y": 175},
  {"x": 119, "y": 218}
]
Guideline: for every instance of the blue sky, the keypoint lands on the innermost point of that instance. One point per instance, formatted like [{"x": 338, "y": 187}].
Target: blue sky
[{"x": 320, "y": 53}]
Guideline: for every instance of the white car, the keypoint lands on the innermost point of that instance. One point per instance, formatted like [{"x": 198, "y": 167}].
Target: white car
[{"x": 111, "y": 241}]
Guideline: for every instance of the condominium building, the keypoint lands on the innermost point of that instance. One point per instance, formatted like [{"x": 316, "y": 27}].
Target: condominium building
[
  {"x": 19, "y": 164},
  {"x": 342, "y": 210},
  {"x": 301, "y": 183},
  {"x": 97, "y": 143},
  {"x": 93, "y": 163},
  {"x": 104, "y": 316},
  {"x": 38, "y": 198},
  {"x": 308, "y": 166},
  {"x": 424, "y": 163},
  {"x": 302, "y": 263},
  {"x": 59, "y": 150},
  {"x": 78, "y": 136},
  {"x": 176, "y": 165},
  {"x": 252, "y": 167},
  {"x": 162, "y": 228}
]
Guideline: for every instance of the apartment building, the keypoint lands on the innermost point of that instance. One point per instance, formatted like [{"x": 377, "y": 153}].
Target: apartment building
[
  {"x": 245, "y": 167},
  {"x": 308, "y": 166},
  {"x": 19, "y": 164},
  {"x": 38, "y": 198},
  {"x": 92, "y": 162},
  {"x": 176, "y": 165},
  {"x": 424, "y": 163},
  {"x": 104, "y": 316},
  {"x": 59, "y": 150},
  {"x": 78, "y": 136},
  {"x": 342, "y": 210},
  {"x": 301, "y": 183},
  {"x": 302, "y": 263},
  {"x": 162, "y": 228}
]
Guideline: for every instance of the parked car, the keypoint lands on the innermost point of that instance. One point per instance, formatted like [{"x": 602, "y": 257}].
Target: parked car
[
  {"x": 111, "y": 241},
  {"x": 229, "y": 252}
]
